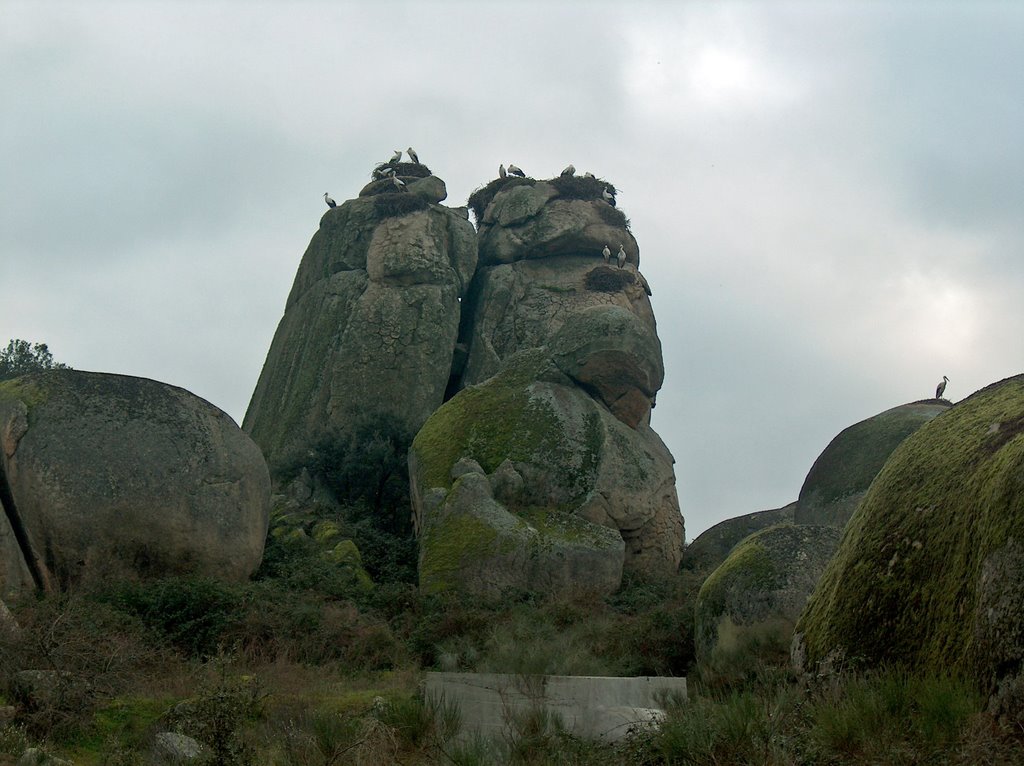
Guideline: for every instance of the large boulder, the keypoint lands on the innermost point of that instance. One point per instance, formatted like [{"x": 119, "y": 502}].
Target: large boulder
[
  {"x": 371, "y": 321},
  {"x": 753, "y": 600},
  {"x": 108, "y": 471},
  {"x": 931, "y": 569},
  {"x": 566, "y": 476},
  {"x": 712, "y": 546},
  {"x": 842, "y": 473}
]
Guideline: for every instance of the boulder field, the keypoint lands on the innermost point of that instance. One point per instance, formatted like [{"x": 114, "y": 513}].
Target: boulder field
[
  {"x": 105, "y": 473},
  {"x": 930, "y": 572}
]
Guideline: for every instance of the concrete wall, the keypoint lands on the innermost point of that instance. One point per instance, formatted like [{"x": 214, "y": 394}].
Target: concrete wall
[{"x": 591, "y": 707}]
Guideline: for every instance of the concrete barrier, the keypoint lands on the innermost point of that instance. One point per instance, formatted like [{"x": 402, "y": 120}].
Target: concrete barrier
[{"x": 591, "y": 707}]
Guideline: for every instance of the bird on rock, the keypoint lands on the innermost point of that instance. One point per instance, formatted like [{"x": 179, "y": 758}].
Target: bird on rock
[
  {"x": 608, "y": 196},
  {"x": 514, "y": 171},
  {"x": 398, "y": 182},
  {"x": 329, "y": 201},
  {"x": 941, "y": 388},
  {"x": 412, "y": 155},
  {"x": 501, "y": 171},
  {"x": 588, "y": 174},
  {"x": 607, "y": 254},
  {"x": 569, "y": 171},
  {"x": 397, "y": 156},
  {"x": 621, "y": 257}
]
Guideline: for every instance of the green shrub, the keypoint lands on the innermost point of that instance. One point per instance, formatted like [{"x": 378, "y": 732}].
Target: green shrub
[{"x": 190, "y": 613}]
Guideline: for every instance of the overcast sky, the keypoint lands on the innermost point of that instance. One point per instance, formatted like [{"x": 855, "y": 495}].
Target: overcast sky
[{"x": 828, "y": 197}]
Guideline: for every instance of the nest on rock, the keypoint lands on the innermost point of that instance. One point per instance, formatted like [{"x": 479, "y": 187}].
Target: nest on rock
[
  {"x": 481, "y": 198},
  {"x": 390, "y": 204},
  {"x": 613, "y": 216},
  {"x": 608, "y": 279},
  {"x": 413, "y": 169},
  {"x": 580, "y": 187}
]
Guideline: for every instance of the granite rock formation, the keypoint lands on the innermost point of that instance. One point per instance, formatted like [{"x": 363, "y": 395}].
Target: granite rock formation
[
  {"x": 372, "y": 318},
  {"x": 930, "y": 572},
  {"x": 108, "y": 473},
  {"x": 843, "y": 472},
  {"x": 712, "y": 546},
  {"x": 753, "y": 600}
]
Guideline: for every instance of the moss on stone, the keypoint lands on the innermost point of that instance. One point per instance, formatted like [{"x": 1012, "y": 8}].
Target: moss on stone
[
  {"x": 446, "y": 547},
  {"x": 501, "y": 419},
  {"x": 903, "y": 586},
  {"x": 25, "y": 389}
]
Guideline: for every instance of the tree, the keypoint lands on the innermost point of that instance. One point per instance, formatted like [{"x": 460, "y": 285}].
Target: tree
[{"x": 21, "y": 357}]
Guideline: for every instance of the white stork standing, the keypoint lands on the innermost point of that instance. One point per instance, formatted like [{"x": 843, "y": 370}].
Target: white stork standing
[
  {"x": 569, "y": 171},
  {"x": 621, "y": 256},
  {"x": 607, "y": 254},
  {"x": 329, "y": 201},
  {"x": 514, "y": 171},
  {"x": 608, "y": 196},
  {"x": 941, "y": 388},
  {"x": 501, "y": 171},
  {"x": 397, "y": 157},
  {"x": 412, "y": 155}
]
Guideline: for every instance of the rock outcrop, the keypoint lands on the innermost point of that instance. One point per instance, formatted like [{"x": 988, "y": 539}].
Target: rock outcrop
[
  {"x": 713, "y": 545},
  {"x": 372, "y": 318},
  {"x": 842, "y": 473},
  {"x": 930, "y": 572},
  {"x": 573, "y": 493},
  {"x": 109, "y": 472},
  {"x": 562, "y": 366},
  {"x": 753, "y": 600}
]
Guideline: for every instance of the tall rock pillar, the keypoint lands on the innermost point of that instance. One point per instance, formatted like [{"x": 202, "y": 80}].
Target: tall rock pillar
[{"x": 372, "y": 318}]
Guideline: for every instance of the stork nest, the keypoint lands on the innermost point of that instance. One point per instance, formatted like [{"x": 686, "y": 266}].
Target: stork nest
[
  {"x": 389, "y": 205},
  {"x": 613, "y": 216},
  {"x": 580, "y": 187},
  {"x": 414, "y": 169},
  {"x": 608, "y": 279},
  {"x": 481, "y": 198}
]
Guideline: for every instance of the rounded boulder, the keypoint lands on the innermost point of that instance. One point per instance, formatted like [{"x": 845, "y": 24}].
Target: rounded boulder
[{"x": 109, "y": 472}]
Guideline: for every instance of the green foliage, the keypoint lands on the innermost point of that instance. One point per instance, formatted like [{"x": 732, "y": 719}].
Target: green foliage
[
  {"x": 189, "y": 613},
  {"x": 21, "y": 357}
]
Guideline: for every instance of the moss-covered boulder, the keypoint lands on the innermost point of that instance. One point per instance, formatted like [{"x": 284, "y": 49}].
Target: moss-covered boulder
[
  {"x": 753, "y": 600},
  {"x": 106, "y": 473},
  {"x": 931, "y": 569},
  {"x": 712, "y": 546},
  {"x": 842, "y": 473},
  {"x": 371, "y": 321},
  {"x": 587, "y": 481}
]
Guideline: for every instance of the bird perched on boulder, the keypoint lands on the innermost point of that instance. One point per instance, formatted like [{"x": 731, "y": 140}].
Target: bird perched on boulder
[
  {"x": 569, "y": 171},
  {"x": 607, "y": 254},
  {"x": 398, "y": 182},
  {"x": 397, "y": 157},
  {"x": 329, "y": 201},
  {"x": 514, "y": 171},
  {"x": 412, "y": 155},
  {"x": 941, "y": 388},
  {"x": 621, "y": 256},
  {"x": 501, "y": 171},
  {"x": 608, "y": 196}
]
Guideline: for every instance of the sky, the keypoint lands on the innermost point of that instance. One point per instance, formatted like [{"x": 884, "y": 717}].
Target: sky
[{"x": 828, "y": 196}]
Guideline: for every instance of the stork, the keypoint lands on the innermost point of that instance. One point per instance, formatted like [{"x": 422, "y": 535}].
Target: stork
[
  {"x": 941, "y": 388},
  {"x": 588, "y": 174},
  {"x": 621, "y": 257},
  {"x": 397, "y": 156},
  {"x": 514, "y": 171},
  {"x": 501, "y": 171},
  {"x": 412, "y": 155},
  {"x": 399, "y": 183},
  {"x": 329, "y": 201},
  {"x": 607, "y": 254},
  {"x": 569, "y": 171},
  {"x": 608, "y": 196}
]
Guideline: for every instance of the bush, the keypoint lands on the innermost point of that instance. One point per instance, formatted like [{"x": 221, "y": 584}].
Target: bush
[{"x": 21, "y": 357}]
